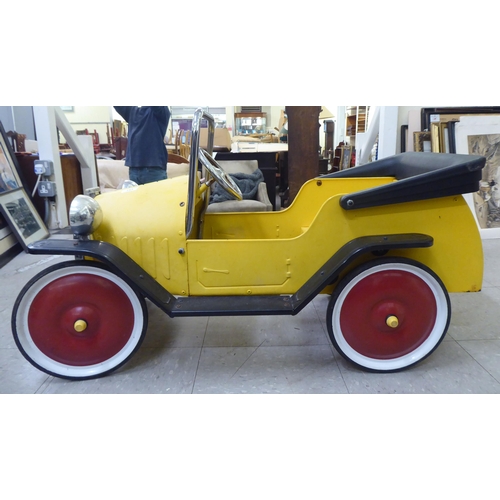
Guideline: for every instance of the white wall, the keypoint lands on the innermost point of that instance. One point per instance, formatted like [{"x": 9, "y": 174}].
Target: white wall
[
  {"x": 91, "y": 118},
  {"x": 19, "y": 119},
  {"x": 7, "y": 118}
]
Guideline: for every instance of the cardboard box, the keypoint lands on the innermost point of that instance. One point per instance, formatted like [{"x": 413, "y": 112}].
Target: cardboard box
[{"x": 222, "y": 138}]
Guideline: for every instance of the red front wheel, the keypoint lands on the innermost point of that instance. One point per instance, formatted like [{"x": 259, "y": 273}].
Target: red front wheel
[
  {"x": 78, "y": 320},
  {"x": 388, "y": 314}
]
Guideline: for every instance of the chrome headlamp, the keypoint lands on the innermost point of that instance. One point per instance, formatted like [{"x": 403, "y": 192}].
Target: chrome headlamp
[
  {"x": 128, "y": 184},
  {"x": 85, "y": 215}
]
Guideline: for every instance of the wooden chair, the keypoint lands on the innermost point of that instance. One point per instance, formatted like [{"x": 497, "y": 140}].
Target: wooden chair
[
  {"x": 175, "y": 158},
  {"x": 95, "y": 141},
  {"x": 185, "y": 144},
  {"x": 168, "y": 137},
  {"x": 17, "y": 141},
  {"x": 177, "y": 143}
]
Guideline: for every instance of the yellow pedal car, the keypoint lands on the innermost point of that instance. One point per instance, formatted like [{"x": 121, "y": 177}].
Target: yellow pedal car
[{"x": 388, "y": 240}]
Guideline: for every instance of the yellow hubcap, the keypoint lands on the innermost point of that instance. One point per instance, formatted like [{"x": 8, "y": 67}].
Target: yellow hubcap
[
  {"x": 80, "y": 325},
  {"x": 392, "y": 322}
]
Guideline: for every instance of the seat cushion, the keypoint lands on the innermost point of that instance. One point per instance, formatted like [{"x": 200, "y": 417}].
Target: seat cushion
[
  {"x": 237, "y": 206},
  {"x": 239, "y": 166}
]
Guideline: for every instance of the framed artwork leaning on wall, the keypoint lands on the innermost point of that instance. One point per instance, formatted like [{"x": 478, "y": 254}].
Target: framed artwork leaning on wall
[{"x": 23, "y": 219}]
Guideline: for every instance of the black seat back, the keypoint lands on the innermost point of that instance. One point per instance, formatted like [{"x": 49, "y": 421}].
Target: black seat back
[{"x": 419, "y": 176}]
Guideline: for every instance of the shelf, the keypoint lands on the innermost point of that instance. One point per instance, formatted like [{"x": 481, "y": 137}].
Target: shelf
[{"x": 356, "y": 121}]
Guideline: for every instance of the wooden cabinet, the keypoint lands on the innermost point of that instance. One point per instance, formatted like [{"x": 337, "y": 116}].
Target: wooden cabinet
[
  {"x": 303, "y": 146},
  {"x": 120, "y": 144},
  {"x": 356, "y": 120}
]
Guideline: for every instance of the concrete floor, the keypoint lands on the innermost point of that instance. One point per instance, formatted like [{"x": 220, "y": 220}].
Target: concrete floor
[{"x": 268, "y": 354}]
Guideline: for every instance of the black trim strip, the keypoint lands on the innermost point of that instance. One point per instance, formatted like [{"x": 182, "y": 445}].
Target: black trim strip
[{"x": 238, "y": 305}]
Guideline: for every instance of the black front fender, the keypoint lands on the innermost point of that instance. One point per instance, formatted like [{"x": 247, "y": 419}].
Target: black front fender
[{"x": 117, "y": 260}]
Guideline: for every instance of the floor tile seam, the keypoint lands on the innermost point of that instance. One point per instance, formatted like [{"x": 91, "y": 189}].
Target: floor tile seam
[
  {"x": 476, "y": 361},
  {"x": 229, "y": 346},
  {"x": 244, "y": 362},
  {"x": 163, "y": 348},
  {"x": 321, "y": 318},
  {"x": 478, "y": 340},
  {"x": 195, "y": 376},
  {"x": 329, "y": 345},
  {"x": 336, "y": 357},
  {"x": 329, "y": 342},
  {"x": 472, "y": 340},
  {"x": 44, "y": 385}
]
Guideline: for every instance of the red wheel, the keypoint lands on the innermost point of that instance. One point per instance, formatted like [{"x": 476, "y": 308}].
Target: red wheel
[
  {"x": 78, "y": 320},
  {"x": 388, "y": 314}
]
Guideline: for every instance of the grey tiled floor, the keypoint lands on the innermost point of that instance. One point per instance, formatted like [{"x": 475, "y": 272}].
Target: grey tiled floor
[{"x": 268, "y": 354}]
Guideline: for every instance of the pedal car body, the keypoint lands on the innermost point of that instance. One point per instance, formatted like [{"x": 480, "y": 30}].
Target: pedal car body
[{"x": 388, "y": 240}]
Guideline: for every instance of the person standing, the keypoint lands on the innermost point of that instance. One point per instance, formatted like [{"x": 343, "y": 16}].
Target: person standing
[{"x": 147, "y": 154}]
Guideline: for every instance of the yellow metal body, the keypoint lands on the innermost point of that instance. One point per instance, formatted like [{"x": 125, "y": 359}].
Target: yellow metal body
[{"x": 277, "y": 252}]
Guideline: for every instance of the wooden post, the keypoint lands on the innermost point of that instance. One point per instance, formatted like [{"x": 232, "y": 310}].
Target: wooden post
[{"x": 303, "y": 146}]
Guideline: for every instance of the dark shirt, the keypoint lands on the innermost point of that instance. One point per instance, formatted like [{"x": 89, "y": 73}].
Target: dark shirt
[{"x": 147, "y": 126}]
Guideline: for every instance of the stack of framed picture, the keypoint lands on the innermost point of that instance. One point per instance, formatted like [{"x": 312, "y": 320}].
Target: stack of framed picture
[
  {"x": 440, "y": 123},
  {"x": 468, "y": 130},
  {"x": 20, "y": 223}
]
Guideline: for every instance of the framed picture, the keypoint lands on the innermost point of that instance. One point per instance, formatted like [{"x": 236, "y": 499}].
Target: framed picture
[
  {"x": 4, "y": 227},
  {"x": 430, "y": 115},
  {"x": 422, "y": 142},
  {"x": 480, "y": 135},
  {"x": 22, "y": 217},
  {"x": 9, "y": 172},
  {"x": 451, "y": 136},
  {"x": 345, "y": 157},
  {"x": 435, "y": 139},
  {"x": 404, "y": 137},
  {"x": 444, "y": 137},
  {"x": 440, "y": 142}
]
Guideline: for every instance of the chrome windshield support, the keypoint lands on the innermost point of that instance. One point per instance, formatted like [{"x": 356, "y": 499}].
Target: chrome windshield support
[{"x": 199, "y": 115}]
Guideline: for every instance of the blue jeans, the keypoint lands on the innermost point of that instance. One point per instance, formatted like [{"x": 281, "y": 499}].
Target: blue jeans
[{"x": 144, "y": 175}]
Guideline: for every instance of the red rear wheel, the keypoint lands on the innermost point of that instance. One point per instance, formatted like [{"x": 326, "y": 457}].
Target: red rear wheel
[
  {"x": 78, "y": 320},
  {"x": 388, "y": 314}
]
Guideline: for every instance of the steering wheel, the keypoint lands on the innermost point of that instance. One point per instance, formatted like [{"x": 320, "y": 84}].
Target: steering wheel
[{"x": 223, "y": 178}]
